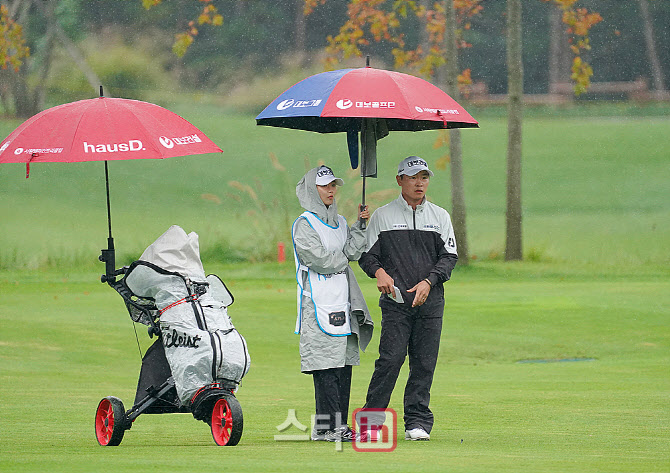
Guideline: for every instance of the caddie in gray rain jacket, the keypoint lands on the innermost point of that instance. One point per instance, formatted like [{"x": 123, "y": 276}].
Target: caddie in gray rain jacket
[{"x": 320, "y": 350}]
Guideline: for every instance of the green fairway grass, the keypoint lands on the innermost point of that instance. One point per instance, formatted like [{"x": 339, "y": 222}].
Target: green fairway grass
[
  {"x": 67, "y": 342},
  {"x": 559, "y": 363}
]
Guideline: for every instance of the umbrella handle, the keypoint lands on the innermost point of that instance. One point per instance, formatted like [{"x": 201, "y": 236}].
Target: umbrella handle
[
  {"x": 363, "y": 221},
  {"x": 107, "y": 256}
]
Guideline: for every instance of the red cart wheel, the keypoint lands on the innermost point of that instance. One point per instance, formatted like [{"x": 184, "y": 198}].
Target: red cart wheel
[
  {"x": 227, "y": 421},
  {"x": 110, "y": 422}
]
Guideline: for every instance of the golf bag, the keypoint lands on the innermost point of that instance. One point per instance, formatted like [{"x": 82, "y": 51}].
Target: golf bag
[
  {"x": 199, "y": 359},
  {"x": 201, "y": 344}
]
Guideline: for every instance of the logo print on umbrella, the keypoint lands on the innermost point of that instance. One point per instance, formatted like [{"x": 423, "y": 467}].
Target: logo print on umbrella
[
  {"x": 132, "y": 145},
  {"x": 184, "y": 140},
  {"x": 36, "y": 151},
  {"x": 167, "y": 142},
  {"x": 344, "y": 104},
  {"x": 283, "y": 105}
]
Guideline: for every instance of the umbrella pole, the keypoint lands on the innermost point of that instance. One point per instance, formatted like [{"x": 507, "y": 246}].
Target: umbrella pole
[
  {"x": 364, "y": 169},
  {"x": 109, "y": 211},
  {"x": 108, "y": 256},
  {"x": 364, "y": 176}
]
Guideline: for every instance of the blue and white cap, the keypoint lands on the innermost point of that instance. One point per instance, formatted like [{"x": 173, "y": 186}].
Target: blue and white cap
[
  {"x": 324, "y": 176},
  {"x": 412, "y": 165}
]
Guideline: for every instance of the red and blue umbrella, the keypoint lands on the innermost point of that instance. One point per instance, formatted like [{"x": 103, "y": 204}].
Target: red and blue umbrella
[
  {"x": 337, "y": 101},
  {"x": 368, "y": 101}
]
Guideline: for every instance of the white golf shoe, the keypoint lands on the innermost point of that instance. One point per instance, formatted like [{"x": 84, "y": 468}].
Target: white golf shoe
[{"x": 417, "y": 434}]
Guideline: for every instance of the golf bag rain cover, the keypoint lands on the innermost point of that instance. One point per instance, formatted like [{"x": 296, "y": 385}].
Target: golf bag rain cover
[{"x": 201, "y": 344}]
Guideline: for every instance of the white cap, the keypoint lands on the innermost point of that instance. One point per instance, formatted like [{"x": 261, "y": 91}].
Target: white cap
[
  {"x": 412, "y": 165},
  {"x": 324, "y": 176}
]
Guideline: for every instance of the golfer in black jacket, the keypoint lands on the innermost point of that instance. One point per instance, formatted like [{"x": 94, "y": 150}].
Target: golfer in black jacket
[{"x": 411, "y": 252}]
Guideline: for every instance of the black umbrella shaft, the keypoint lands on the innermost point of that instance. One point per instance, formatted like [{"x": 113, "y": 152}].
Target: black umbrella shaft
[
  {"x": 108, "y": 256},
  {"x": 109, "y": 211},
  {"x": 363, "y": 193},
  {"x": 364, "y": 169}
]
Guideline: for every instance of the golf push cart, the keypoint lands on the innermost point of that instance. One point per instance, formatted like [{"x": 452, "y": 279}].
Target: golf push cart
[{"x": 196, "y": 363}]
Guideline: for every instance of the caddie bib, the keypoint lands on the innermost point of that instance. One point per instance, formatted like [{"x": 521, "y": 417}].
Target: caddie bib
[{"x": 329, "y": 292}]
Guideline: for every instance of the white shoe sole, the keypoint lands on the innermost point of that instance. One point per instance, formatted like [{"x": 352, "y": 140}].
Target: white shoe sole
[{"x": 424, "y": 437}]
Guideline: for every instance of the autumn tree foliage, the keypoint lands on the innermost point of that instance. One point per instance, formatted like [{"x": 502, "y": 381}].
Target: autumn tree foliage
[
  {"x": 579, "y": 22},
  {"x": 208, "y": 16},
  {"x": 13, "y": 47},
  {"x": 384, "y": 21},
  {"x": 367, "y": 21}
]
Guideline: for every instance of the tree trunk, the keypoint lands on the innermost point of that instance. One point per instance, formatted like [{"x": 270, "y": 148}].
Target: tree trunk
[
  {"x": 458, "y": 212},
  {"x": 300, "y": 32},
  {"x": 656, "y": 71},
  {"x": 513, "y": 247},
  {"x": 28, "y": 99},
  {"x": 24, "y": 98},
  {"x": 424, "y": 37},
  {"x": 47, "y": 56},
  {"x": 18, "y": 93}
]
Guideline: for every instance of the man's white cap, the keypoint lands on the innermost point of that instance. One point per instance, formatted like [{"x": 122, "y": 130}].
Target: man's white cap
[
  {"x": 412, "y": 165},
  {"x": 324, "y": 176}
]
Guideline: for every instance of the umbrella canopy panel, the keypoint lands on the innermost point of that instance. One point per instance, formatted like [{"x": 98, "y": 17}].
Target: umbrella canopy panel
[
  {"x": 337, "y": 101},
  {"x": 104, "y": 129}
]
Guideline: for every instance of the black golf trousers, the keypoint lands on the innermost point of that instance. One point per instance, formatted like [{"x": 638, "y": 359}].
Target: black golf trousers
[
  {"x": 414, "y": 332},
  {"x": 331, "y": 392}
]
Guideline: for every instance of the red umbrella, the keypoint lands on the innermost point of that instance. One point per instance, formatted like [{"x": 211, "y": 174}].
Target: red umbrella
[{"x": 103, "y": 129}]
